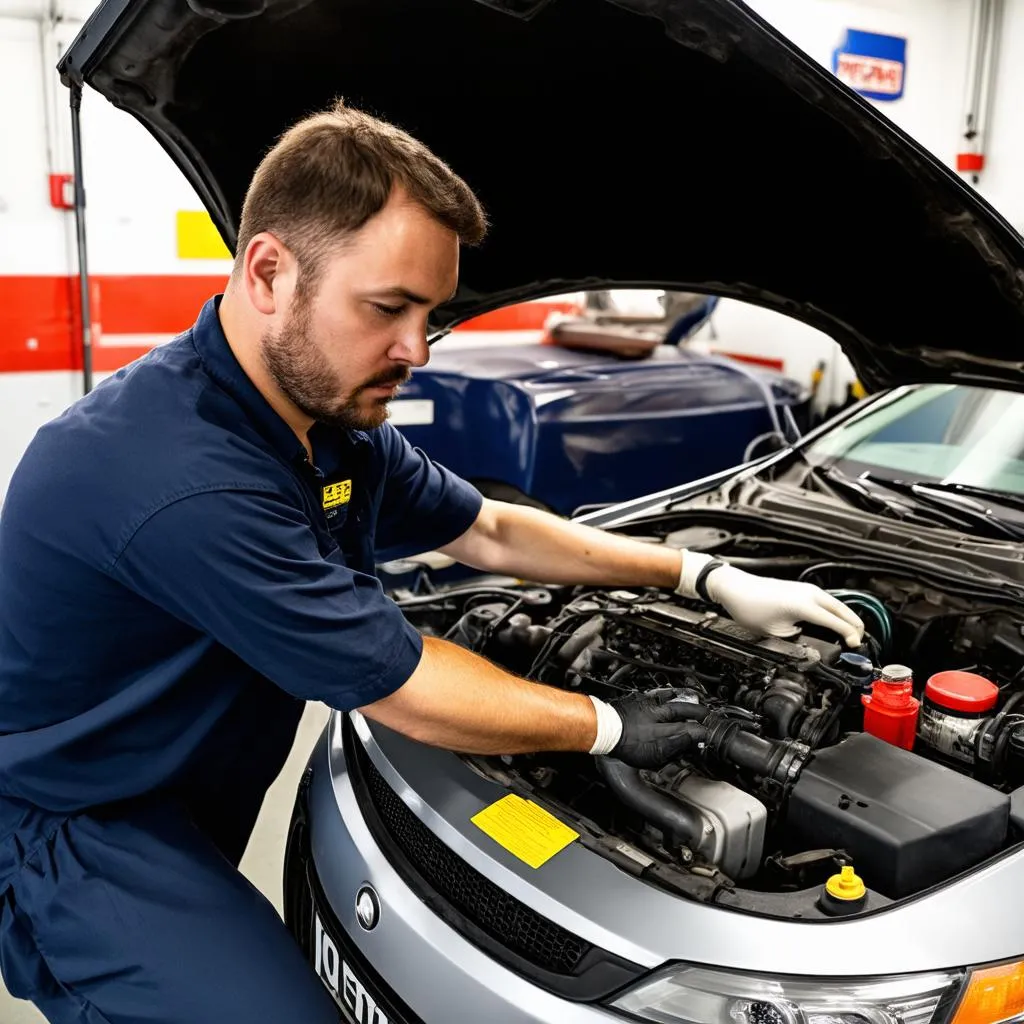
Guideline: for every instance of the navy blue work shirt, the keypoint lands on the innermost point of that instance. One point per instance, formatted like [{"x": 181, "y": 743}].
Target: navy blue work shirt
[{"x": 169, "y": 560}]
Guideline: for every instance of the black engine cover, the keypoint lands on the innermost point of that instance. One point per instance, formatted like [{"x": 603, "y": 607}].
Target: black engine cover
[{"x": 905, "y": 821}]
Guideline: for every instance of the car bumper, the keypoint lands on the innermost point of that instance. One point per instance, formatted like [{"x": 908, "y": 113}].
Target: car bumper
[{"x": 422, "y": 968}]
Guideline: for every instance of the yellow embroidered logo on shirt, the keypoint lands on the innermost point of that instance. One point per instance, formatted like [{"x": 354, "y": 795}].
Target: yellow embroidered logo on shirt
[{"x": 337, "y": 494}]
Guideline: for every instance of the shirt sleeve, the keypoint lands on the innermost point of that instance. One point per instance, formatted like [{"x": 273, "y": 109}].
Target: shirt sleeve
[
  {"x": 424, "y": 505},
  {"x": 245, "y": 568}
]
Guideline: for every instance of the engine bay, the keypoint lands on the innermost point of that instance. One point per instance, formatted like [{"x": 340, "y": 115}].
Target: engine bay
[{"x": 797, "y": 772}]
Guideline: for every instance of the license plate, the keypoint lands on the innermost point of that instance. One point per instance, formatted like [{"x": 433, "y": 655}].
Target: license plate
[{"x": 357, "y": 998}]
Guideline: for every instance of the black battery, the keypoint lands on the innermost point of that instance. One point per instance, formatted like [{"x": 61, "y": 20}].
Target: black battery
[{"x": 905, "y": 821}]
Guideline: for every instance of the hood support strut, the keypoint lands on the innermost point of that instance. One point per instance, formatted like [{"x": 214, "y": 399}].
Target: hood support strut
[{"x": 83, "y": 263}]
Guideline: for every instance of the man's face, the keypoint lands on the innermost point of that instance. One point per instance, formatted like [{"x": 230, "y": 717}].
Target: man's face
[{"x": 341, "y": 354}]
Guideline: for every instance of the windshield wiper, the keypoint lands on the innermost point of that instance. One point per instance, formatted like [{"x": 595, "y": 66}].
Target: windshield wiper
[
  {"x": 855, "y": 493},
  {"x": 948, "y": 500},
  {"x": 1014, "y": 501},
  {"x": 934, "y": 507},
  {"x": 937, "y": 508}
]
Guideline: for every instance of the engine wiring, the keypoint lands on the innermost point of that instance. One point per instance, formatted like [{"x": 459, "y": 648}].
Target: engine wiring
[
  {"x": 859, "y": 599},
  {"x": 771, "y": 710}
]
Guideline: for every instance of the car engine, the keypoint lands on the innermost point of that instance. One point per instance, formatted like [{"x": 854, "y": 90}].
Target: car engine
[{"x": 788, "y": 782}]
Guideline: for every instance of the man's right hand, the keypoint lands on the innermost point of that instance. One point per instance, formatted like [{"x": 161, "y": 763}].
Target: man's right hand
[
  {"x": 657, "y": 730},
  {"x": 457, "y": 700}
]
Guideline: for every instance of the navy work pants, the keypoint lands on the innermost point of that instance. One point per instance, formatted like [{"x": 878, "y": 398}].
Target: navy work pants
[{"x": 137, "y": 915}]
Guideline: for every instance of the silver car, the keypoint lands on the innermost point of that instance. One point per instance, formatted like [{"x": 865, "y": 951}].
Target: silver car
[
  {"x": 805, "y": 867},
  {"x": 846, "y": 846}
]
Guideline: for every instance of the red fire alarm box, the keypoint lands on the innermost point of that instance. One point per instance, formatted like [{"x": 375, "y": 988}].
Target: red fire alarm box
[{"x": 62, "y": 191}]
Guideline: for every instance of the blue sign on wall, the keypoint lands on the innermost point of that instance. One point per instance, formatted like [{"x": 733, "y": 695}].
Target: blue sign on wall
[{"x": 874, "y": 65}]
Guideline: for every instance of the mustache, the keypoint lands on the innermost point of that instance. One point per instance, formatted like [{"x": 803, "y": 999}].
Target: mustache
[{"x": 384, "y": 380}]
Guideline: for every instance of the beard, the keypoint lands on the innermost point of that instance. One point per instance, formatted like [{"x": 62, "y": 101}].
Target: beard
[{"x": 306, "y": 378}]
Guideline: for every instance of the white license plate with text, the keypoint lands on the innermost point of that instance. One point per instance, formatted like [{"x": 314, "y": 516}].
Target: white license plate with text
[{"x": 349, "y": 991}]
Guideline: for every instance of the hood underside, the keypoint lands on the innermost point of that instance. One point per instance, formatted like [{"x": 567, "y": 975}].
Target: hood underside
[{"x": 660, "y": 143}]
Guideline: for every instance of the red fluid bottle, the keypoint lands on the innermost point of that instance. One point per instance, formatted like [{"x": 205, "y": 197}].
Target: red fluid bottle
[{"x": 890, "y": 710}]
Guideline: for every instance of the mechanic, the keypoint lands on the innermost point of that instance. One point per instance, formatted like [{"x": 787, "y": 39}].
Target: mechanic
[{"x": 187, "y": 556}]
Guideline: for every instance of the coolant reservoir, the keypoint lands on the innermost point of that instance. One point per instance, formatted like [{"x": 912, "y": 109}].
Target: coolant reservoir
[
  {"x": 891, "y": 709},
  {"x": 956, "y": 707}
]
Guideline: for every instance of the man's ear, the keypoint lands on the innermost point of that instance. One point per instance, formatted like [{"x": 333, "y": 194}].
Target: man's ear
[{"x": 268, "y": 264}]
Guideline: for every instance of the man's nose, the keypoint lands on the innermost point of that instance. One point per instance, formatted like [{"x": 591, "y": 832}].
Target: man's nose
[{"x": 411, "y": 347}]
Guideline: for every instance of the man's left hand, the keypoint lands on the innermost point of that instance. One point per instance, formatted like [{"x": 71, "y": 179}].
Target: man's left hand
[{"x": 766, "y": 605}]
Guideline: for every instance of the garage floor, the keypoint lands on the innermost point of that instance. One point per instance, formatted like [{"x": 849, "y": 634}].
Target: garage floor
[{"x": 264, "y": 856}]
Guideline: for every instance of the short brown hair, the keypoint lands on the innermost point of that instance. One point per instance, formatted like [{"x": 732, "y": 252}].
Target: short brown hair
[{"x": 328, "y": 174}]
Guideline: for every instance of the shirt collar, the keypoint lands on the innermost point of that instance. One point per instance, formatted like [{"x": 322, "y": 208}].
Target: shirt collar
[{"x": 220, "y": 362}]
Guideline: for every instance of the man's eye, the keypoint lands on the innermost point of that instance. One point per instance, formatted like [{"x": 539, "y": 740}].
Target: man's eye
[{"x": 388, "y": 310}]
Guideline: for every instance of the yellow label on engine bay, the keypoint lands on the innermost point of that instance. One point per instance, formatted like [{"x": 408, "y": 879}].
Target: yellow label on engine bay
[{"x": 525, "y": 829}]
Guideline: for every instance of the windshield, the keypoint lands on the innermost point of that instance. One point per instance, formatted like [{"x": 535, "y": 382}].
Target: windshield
[{"x": 942, "y": 433}]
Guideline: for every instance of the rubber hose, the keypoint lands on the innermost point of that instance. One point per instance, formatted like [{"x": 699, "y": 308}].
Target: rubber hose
[
  {"x": 681, "y": 823},
  {"x": 781, "y": 706},
  {"x": 747, "y": 750},
  {"x": 580, "y": 638}
]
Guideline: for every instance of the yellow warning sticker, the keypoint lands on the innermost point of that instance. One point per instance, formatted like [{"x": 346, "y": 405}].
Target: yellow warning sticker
[
  {"x": 337, "y": 494},
  {"x": 523, "y": 828},
  {"x": 198, "y": 239}
]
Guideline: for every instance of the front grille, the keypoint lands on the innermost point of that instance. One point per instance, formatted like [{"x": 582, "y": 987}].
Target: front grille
[{"x": 511, "y": 923}]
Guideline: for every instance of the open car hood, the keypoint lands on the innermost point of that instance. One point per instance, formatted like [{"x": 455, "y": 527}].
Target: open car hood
[{"x": 662, "y": 143}]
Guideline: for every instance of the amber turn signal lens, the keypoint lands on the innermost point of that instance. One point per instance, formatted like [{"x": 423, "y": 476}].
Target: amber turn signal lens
[{"x": 993, "y": 994}]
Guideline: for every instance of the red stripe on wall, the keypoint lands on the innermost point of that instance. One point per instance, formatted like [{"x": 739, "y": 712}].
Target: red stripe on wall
[
  {"x": 152, "y": 304},
  {"x": 39, "y": 317},
  {"x": 37, "y": 327},
  {"x": 768, "y": 362},
  {"x": 39, "y": 321},
  {"x": 164, "y": 304},
  {"x": 524, "y": 316}
]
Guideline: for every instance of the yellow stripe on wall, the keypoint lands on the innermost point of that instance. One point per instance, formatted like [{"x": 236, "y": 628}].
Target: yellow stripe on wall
[{"x": 198, "y": 238}]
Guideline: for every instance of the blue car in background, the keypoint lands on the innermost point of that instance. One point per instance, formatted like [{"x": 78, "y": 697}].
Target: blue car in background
[{"x": 602, "y": 410}]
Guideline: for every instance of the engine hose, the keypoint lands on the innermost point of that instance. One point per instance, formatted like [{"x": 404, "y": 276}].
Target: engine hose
[
  {"x": 681, "y": 824},
  {"x": 856, "y": 598},
  {"x": 582, "y": 637},
  {"x": 779, "y": 760},
  {"x": 535, "y": 596},
  {"x": 782, "y": 705}
]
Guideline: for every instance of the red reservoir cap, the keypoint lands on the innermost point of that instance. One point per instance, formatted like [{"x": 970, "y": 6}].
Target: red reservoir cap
[{"x": 962, "y": 691}]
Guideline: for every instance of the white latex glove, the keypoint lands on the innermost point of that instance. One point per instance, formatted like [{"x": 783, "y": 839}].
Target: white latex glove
[{"x": 766, "y": 605}]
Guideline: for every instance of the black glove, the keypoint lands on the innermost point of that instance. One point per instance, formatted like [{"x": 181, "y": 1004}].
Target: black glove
[{"x": 655, "y": 731}]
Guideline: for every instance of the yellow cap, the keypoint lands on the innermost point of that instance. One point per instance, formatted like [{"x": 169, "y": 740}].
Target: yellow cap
[{"x": 846, "y": 885}]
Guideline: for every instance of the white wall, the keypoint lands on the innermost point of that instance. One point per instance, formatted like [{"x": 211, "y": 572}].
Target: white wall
[
  {"x": 131, "y": 210},
  {"x": 932, "y": 107},
  {"x": 931, "y": 110},
  {"x": 35, "y": 239},
  {"x": 133, "y": 194},
  {"x": 33, "y": 236},
  {"x": 1002, "y": 181},
  {"x": 937, "y": 34}
]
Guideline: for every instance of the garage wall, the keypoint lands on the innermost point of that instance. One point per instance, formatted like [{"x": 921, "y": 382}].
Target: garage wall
[
  {"x": 146, "y": 291},
  {"x": 931, "y": 110},
  {"x": 35, "y": 249},
  {"x": 937, "y": 33},
  {"x": 142, "y": 291},
  {"x": 1002, "y": 182}
]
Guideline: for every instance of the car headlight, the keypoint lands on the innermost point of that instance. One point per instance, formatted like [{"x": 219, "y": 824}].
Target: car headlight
[{"x": 698, "y": 995}]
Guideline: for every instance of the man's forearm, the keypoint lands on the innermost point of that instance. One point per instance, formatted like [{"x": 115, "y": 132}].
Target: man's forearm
[
  {"x": 460, "y": 701},
  {"x": 519, "y": 541}
]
